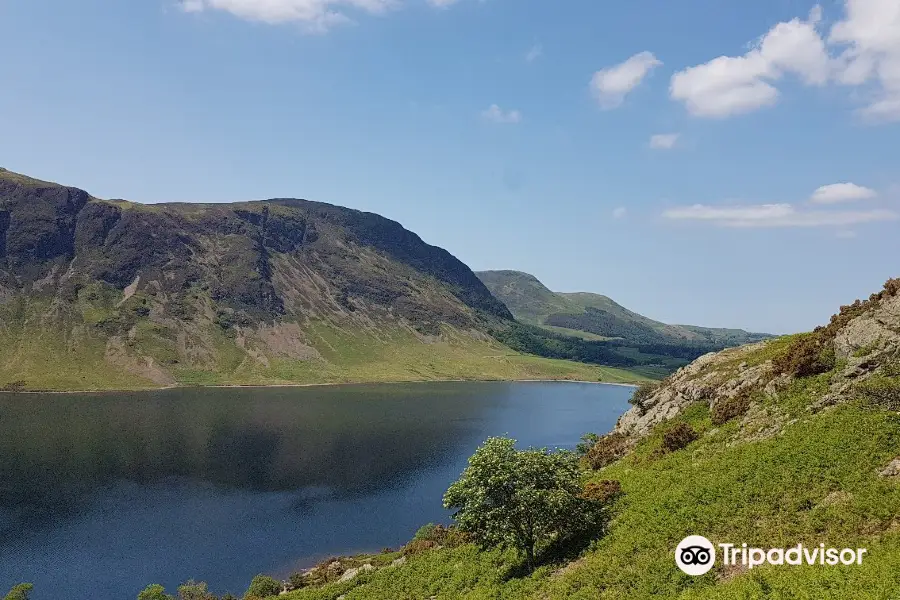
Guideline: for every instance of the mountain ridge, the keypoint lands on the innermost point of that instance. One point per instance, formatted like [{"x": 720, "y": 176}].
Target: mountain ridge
[
  {"x": 101, "y": 293},
  {"x": 531, "y": 301}
]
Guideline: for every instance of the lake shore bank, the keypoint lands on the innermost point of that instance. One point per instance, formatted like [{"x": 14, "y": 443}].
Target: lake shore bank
[{"x": 306, "y": 385}]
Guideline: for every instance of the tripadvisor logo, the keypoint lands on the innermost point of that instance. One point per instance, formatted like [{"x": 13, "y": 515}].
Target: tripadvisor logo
[{"x": 696, "y": 555}]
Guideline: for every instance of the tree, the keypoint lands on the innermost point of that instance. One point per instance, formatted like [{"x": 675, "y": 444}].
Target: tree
[
  {"x": 19, "y": 592},
  {"x": 154, "y": 592},
  {"x": 194, "y": 590},
  {"x": 263, "y": 586},
  {"x": 523, "y": 499},
  {"x": 587, "y": 442}
]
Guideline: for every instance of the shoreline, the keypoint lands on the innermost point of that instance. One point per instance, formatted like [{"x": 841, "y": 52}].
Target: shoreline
[{"x": 306, "y": 385}]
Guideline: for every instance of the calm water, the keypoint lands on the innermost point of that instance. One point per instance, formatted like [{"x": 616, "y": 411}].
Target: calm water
[{"x": 102, "y": 494}]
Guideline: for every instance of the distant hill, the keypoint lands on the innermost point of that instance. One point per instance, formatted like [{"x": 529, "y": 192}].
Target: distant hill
[
  {"x": 598, "y": 317},
  {"x": 112, "y": 294}
]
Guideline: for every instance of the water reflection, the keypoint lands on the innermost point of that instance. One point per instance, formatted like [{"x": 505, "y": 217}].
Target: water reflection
[
  {"x": 55, "y": 450},
  {"x": 102, "y": 493}
]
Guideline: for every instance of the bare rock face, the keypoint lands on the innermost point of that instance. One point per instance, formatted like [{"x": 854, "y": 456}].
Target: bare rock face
[
  {"x": 709, "y": 378},
  {"x": 875, "y": 332}
]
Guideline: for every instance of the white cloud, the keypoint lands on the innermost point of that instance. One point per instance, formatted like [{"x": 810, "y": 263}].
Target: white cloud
[
  {"x": 620, "y": 212},
  {"x": 534, "y": 53},
  {"x": 869, "y": 36},
  {"x": 861, "y": 49},
  {"x": 776, "y": 215},
  {"x": 664, "y": 141},
  {"x": 730, "y": 85},
  {"x": 610, "y": 85},
  {"x": 442, "y": 3},
  {"x": 495, "y": 114},
  {"x": 317, "y": 15},
  {"x": 837, "y": 193}
]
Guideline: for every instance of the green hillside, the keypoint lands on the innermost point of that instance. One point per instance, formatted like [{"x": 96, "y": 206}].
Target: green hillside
[
  {"x": 608, "y": 330},
  {"x": 101, "y": 294},
  {"x": 596, "y": 315}
]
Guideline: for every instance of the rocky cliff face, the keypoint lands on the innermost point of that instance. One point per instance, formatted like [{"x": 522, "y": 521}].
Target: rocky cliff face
[
  {"x": 861, "y": 342},
  {"x": 161, "y": 286}
]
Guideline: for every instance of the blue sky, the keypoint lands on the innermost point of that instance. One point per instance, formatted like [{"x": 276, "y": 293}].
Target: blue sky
[{"x": 515, "y": 133}]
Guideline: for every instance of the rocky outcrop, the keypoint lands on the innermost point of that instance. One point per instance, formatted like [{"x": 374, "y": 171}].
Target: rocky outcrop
[
  {"x": 707, "y": 379},
  {"x": 873, "y": 333},
  {"x": 864, "y": 337}
]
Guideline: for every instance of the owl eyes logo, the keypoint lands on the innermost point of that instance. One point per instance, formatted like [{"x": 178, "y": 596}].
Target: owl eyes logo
[{"x": 695, "y": 555}]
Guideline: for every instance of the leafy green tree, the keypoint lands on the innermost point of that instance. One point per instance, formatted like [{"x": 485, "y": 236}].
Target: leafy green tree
[
  {"x": 523, "y": 499},
  {"x": 154, "y": 592},
  {"x": 587, "y": 442},
  {"x": 194, "y": 590},
  {"x": 263, "y": 586},
  {"x": 20, "y": 592}
]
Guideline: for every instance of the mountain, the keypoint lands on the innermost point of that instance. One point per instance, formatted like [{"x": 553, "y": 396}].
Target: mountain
[
  {"x": 113, "y": 294},
  {"x": 598, "y": 317}
]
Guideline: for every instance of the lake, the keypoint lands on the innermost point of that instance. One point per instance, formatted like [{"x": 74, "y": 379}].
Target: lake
[{"x": 102, "y": 494}]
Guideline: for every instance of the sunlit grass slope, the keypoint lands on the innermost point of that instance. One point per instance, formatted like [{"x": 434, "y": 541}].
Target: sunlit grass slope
[{"x": 38, "y": 357}]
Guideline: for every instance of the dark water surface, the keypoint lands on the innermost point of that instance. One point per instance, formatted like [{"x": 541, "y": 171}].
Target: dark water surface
[{"x": 102, "y": 494}]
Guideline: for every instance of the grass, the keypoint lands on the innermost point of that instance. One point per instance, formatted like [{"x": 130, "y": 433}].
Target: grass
[
  {"x": 577, "y": 333},
  {"x": 397, "y": 356},
  {"x": 54, "y": 357},
  {"x": 45, "y": 359},
  {"x": 814, "y": 483}
]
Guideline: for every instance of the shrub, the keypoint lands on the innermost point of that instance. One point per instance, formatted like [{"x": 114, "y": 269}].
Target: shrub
[
  {"x": 807, "y": 355},
  {"x": 426, "y": 532},
  {"x": 602, "y": 491},
  {"x": 297, "y": 581},
  {"x": 418, "y": 546},
  {"x": 153, "y": 592},
  {"x": 642, "y": 394},
  {"x": 678, "y": 437},
  {"x": 880, "y": 391},
  {"x": 20, "y": 592},
  {"x": 449, "y": 537},
  {"x": 14, "y": 386},
  {"x": 263, "y": 586},
  {"x": 194, "y": 590},
  {"x": 607, "y": 450},
  {"x": 729, "y": 408}
]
